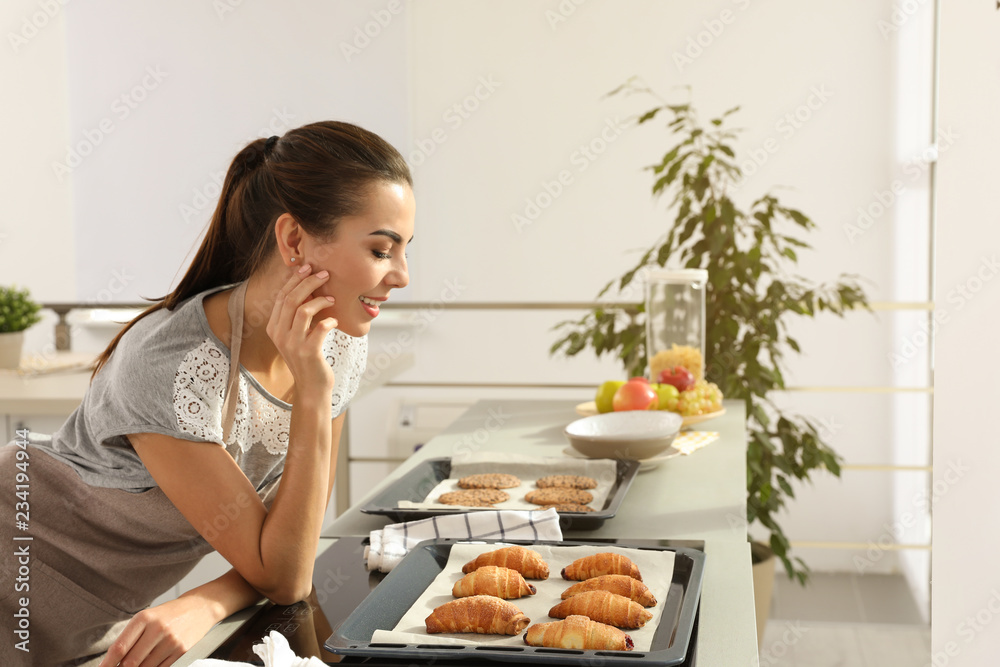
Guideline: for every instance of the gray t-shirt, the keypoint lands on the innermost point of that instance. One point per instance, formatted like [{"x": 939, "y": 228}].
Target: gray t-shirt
[{"x": 168, "y": 375}]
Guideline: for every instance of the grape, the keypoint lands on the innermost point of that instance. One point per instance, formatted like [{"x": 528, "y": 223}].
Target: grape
[{"x": 703, "y": 397}]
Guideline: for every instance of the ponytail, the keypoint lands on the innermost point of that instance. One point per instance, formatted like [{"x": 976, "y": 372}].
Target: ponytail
[{"x": 319, "y": 173}]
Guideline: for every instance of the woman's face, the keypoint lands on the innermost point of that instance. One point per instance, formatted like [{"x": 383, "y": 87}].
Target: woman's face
[{"x": 366, "y": 258}]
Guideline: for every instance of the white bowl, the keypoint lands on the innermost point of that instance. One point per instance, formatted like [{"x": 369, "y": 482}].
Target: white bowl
[{"x": 631, "y": 434}]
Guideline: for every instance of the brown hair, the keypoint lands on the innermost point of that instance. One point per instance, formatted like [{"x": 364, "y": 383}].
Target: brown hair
[{"x": 319, "y": 173}]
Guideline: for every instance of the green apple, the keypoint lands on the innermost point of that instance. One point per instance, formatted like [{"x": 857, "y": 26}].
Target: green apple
[
  {"x": 606, "y": 394},
  {"x": 668, "y": 395}
]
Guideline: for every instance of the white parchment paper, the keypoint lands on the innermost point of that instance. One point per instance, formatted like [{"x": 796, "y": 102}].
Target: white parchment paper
[
  {"x": 657, "y": 568},
  {"x": 526, "y": 468}
]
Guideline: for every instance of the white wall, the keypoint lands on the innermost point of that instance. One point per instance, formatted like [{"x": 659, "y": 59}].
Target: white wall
[
  {"x": 37, "y": 240},
  {"x": 966, "y": 580},
  {"x": 182, "y": 86}
]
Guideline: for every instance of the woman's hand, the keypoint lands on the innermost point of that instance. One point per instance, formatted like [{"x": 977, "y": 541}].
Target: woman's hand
[
  {"x": 298, "y": 338},
  {"x": 158, "y": 636}
]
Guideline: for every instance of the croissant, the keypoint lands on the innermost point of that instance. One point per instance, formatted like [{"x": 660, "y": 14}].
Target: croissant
[
  {"x": 618, "y": 584},
  {"x": 492, "y": 580},
  {"x": 603, "y": 607},
  {"x": 578, "y": 632},
  {"x": 484, "y": 614},
  {"x": 525, "y": 561},
  {"x": 596, "y": 565}
]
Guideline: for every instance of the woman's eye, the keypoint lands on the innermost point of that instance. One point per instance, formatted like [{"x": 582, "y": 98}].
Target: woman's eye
[{"x": 381, "y": 255}]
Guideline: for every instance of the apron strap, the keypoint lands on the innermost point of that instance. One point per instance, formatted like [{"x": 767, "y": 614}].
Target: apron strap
[{"x": 236, "y": 300}]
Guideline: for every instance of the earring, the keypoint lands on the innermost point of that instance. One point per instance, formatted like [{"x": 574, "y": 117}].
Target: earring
[{"x": 293, "y": 259}]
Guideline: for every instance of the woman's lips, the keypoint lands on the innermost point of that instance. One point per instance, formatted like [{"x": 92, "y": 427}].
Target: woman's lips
[{"x": 371, "y": 308}]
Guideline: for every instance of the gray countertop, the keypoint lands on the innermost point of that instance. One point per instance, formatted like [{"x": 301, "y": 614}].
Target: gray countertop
[{"x": 699, "y": 497}]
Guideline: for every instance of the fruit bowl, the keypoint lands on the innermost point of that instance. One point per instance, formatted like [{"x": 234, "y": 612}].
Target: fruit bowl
[{"x": 631, "y": 434}]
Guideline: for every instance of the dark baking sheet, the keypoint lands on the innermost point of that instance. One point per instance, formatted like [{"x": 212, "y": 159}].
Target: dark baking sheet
[
  {"x": 390, "y": 601},
  {"x": 416, "y": 484}
]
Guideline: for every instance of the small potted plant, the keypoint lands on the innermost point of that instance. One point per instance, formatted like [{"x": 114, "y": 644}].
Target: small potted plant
[{"x": 17, "y": 312}]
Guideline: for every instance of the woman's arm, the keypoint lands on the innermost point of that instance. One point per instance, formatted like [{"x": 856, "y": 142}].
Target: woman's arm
[
  {"x": 172, "y": 628},
  {"x": 273, "y": 550},
  {"x": 165, "y": 632}
]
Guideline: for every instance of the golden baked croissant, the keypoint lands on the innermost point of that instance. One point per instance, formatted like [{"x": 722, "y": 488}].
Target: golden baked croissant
[
  {"x": 525, "y": 561},
  {"x": 603, "y": 607},
  {"x": 485, "y": 614},
  {"x": 596, "y": 565},
  {"x": 502, "y": 582},
  {"x": 619, "y": 584},
  {"x": 578, "y": 632}
]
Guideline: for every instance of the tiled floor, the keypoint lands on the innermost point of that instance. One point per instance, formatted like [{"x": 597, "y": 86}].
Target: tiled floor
[{"x": 845, "y": 620}]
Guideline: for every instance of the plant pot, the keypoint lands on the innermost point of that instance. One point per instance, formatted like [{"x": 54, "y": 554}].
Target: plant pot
[
  {"x": 763, "y": 584},
  {"x": 10, "y": 349}
]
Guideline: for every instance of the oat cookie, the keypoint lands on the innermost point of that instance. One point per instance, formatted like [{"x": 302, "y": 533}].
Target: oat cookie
[
  {"x": 492, "y": 480},
  {"x": 567, "y": 482},
  {"x": 558, "y": 496},
  {"x": 569, "y": 507},
  {"x": 474, "y": 497}
]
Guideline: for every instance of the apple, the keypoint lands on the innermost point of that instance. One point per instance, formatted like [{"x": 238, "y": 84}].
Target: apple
[
  {"x": 668, "y": 396},
  {"x": 606, "y": 394},
  {"x": 678, "y": 376},
  {"x": 635, "y": 395}
]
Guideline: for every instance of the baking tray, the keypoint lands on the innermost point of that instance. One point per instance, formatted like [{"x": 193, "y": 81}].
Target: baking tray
[
  {"x": 389, "y": 602},
  {"x": 417, "y": 483}
]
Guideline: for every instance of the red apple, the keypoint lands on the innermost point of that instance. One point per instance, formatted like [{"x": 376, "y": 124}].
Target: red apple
[
  {"x": 678, "y": 376},
  {"x": 635, "y": 395}
]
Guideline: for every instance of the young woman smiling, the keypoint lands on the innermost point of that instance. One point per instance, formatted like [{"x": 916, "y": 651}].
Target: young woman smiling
[{"x": 213, "y": 419}]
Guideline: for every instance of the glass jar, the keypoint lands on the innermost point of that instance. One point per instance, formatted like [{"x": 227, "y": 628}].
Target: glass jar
[{"x": 675, "y": 320}]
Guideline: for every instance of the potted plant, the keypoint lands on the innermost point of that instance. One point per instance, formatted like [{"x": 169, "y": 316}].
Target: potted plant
[
  {"x": 17, "y": 313},
  {"x": 750, "y": 254}
]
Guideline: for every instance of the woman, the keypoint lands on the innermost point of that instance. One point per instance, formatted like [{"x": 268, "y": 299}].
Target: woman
[{"x": 212, "y": 420}]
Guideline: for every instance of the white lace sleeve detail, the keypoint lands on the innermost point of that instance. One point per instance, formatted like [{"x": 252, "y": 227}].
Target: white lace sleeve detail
[
  {"x": 198, "y": 387},
  {"x": 348, "y": 356}
]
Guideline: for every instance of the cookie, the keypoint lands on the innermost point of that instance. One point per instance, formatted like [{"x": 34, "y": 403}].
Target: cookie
[
  {"x": 558, "y": 496},
  {"x": 569, "y": 507},
  {"x": 492, "y": 480},
  {"x": 566, "y": 482},
  {"x": 474, "y": 497}
]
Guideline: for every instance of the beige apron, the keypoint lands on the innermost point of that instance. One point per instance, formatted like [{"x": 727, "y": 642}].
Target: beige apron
[{"x": 97, "y": 555}]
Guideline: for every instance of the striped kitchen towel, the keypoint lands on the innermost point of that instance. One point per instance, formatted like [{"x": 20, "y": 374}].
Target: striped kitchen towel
[{"x": 389, "y": 545}]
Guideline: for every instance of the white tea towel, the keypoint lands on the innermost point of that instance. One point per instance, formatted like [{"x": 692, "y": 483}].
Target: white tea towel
[
  {"x": 389, "y": 545},
  {"x": 274, "y": 651}
]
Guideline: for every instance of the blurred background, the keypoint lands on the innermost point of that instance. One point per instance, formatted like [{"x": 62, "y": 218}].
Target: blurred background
[{"x": 122, "y": 119}]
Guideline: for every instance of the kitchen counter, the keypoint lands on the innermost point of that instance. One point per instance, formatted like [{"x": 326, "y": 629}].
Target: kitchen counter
[{"x": 698, "y": 497}]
